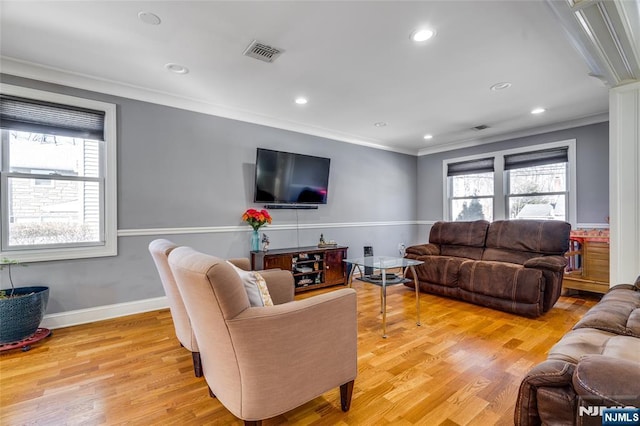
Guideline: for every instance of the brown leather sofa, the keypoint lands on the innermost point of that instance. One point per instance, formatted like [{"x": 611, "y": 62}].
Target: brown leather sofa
[
  {"x": 596, "y": 364},
  {"x": 511, "y": 265}
]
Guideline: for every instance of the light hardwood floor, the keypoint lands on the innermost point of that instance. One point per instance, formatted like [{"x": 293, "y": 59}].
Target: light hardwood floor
[{"x": 463, "y": 366}]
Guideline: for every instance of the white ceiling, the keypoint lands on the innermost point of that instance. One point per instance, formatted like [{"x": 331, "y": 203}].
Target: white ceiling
[{"x": 353, "y": 60}]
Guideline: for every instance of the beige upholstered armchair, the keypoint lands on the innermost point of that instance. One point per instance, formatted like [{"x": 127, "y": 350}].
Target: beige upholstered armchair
[
  {"x": 280, "y": 291},
  {"x": 263, "y": 361},
  {"x": 160, "y": 250}
]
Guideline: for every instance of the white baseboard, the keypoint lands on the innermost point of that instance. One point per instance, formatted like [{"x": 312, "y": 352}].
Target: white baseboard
[{"x": 84, "y": 316}]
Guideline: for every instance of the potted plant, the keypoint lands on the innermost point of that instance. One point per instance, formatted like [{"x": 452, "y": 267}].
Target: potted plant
[{"x": 21, "y": 308}]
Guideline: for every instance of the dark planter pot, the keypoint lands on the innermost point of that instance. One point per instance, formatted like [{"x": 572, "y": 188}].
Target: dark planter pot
[{"x": 21, "y": 316}]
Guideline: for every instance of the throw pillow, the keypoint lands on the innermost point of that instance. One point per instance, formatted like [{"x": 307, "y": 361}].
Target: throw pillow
[{"x": 255, "y": 286}]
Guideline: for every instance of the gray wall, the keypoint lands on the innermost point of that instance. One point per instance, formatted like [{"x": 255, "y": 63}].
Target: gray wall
[
  {"x": 178, "y": 169},
  {"x": 592, "y": 171}
]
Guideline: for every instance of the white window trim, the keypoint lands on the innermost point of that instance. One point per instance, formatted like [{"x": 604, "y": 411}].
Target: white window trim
[
  {"x": 499, "y": 182},
  {"x": 110, "y": 248}
]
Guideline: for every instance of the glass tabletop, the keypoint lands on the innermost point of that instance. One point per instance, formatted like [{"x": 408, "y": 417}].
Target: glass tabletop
[{"x": 382, "y": 262}]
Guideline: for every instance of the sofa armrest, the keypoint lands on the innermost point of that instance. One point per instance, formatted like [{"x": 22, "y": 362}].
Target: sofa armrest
[
  {"x": 552, "y": 263},
  {"x": 550, "y": 373},
  {"x": 424, "y": 250},
  {"x": 280, "y": 284},
  {"x": 634, "y": 287},
  {"x": 604, "y": 380},
  {"x": 242, "y": 263}
]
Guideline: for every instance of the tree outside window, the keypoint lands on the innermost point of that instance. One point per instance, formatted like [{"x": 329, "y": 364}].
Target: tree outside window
[{"x": 472, "y": 196}]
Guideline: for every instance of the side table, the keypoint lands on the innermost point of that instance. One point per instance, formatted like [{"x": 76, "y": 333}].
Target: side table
[{"x": 383, "y": 264}]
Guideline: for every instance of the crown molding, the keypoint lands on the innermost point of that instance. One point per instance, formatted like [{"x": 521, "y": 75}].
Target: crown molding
[
  {"x": 24, "y": 69},
  {"x": 584, "y": 121},
  {"x": 18, "y": 68}
]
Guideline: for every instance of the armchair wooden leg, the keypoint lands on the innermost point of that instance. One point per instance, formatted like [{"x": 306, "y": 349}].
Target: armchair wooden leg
[
  {"x": 253, "y": 423},
  {"x": 197, "y": 364},
  {"x": 346, "y": 391}
]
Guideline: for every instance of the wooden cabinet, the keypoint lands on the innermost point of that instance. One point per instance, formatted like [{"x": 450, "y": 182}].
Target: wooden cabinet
[
  {"x": 312, "y": 267},
  {"x": 589, "y": 264},
  {"x": 596, "y": 261}
]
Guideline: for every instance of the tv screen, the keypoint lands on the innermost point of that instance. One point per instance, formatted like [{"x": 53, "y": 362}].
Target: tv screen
[{"x": 288, "y": 178}]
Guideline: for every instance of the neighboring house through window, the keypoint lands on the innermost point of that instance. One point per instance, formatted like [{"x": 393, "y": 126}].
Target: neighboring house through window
[
  {"x": 57, "y": 176},
  {"x": 525, "y": 183},
  {"x": 537, "y": 184}
]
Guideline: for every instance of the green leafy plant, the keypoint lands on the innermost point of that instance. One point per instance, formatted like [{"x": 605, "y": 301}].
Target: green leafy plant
[{"x": 7, "y": 263}]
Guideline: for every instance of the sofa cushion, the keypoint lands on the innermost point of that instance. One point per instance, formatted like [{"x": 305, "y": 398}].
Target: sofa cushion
[
  {"x": 537, "y": 236},
  {"x": 462, "y": 239},
  {"x": 588, "y": 341},
  {"x": 592, "y": 381},
  {"x": 502, "y": 280},
  {"x": 470, "y": 234},
  {"x": 511, "y": 256},
  {"x": 617, "y": 312},
  {"x": 474, "y": 253},
  {"x": 442, "y": 270}
]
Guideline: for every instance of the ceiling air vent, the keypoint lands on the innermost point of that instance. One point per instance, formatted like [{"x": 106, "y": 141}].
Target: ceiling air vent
[
  {"x": 262, "y": 51},
  {"x": 481, "y": 127}
]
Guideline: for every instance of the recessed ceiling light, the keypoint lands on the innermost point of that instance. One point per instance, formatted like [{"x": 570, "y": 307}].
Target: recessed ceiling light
[
  {"x": 380, "y": 124},
  {"x": 422, "y": 35},
  {"x": 538, "y": 110},
  {"x": 177, "y": 68},
  {"x": 500, "y": 86},
  {"x": 301, "y": 101},
  {"x": 149, "y": 18},
  {"x": 427, "y": 137}
]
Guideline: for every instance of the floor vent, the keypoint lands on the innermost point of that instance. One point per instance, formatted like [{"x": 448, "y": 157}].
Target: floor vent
[
  {"x": 481, "y": 127},
  {"x": 262, "y": 51}
]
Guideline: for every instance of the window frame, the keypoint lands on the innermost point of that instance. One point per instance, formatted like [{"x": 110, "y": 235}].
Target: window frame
[
  {"x": 108, "y": 166},
  {"x": 500, "y": 181},
  {"x": 453, "y": 198},
  {"x": 509, "y": 195}
]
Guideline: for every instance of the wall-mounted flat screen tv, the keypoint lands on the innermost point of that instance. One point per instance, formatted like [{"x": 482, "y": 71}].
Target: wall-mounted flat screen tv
[{"x": 288, "y": 178}]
